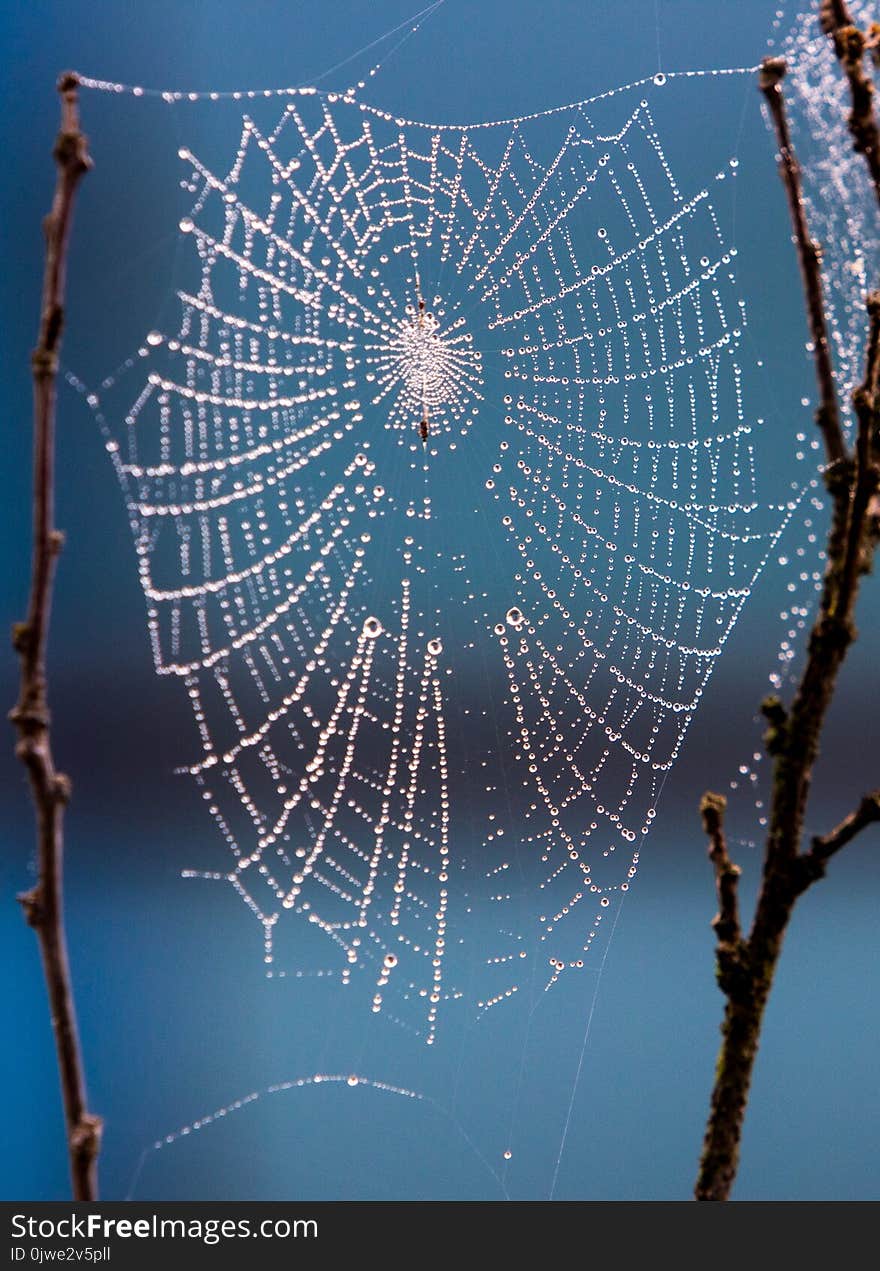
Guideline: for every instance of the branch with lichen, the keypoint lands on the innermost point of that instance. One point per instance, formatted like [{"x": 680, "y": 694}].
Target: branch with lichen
[
  {"x": 43, "y": 905},
  {"x": 746, "y": 965}
]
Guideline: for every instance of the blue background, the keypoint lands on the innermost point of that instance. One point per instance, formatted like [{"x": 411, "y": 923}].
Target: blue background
[{"x": 175, "y": 1015}]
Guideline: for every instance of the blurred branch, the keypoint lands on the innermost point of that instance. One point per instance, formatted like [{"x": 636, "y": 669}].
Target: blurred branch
[
  {"x": 850, "y": 44},
  {"x": 861, "y": 523},
  {"x": 745, "y": 967},
  {"x": 810, "y": 257},
  {"x": 43, "y": 905}
]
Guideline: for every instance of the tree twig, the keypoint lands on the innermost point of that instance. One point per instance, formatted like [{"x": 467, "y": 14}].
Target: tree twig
[
  {"x": 746, "y": 967},
  {"x": 865, "y": 399},
  {"x": 726, "y": 922},
  {"x": 43, "y": 905},
  {"x": 825, "y": 846},
  {"x": 849, "y": 45},
  {"x": 810, "y": 258}
]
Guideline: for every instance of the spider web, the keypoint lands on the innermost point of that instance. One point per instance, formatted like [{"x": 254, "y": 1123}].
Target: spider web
[
  {"x": 836, "y": 187},
  {"x": 839, "y": 204},
  {"x": 446, "y": 405}
]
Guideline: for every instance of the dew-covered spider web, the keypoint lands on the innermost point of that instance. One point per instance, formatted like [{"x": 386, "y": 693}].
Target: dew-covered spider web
[
  {"x": 835, "y": 184},
  {"x": 839, "y": 205},
  {"x": 446, "y": 491}
]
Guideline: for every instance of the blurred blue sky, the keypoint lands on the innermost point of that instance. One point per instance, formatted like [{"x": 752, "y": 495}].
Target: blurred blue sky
[{"x": 175, "y": 1015}]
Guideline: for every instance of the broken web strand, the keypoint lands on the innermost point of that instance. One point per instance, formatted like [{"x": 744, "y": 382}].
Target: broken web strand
[
  {"x": 533, "y": 437},
  {"x": 409, "y": 27},
  {"x": 351, "y": 1081}
]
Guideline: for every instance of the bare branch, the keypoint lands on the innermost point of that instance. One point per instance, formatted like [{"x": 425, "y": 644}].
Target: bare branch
[
  {"x": 828, "y": 845},
  {"x": 810, "y": 256},
  {"x": 43, "y": 905},
  {"x": 867, "y": 473},
  {"x": 726, "y": 922},
  {"x": 746, "y": 967},
  {"x": 850, "y": 44},
  {"x": 720, "y": 1155}
]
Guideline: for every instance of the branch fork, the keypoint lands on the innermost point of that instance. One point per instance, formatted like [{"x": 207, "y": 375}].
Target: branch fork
[{"x": 746, "y": 965}]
